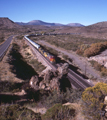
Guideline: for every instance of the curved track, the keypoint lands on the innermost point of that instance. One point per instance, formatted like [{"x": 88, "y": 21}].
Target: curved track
[{"x": 77, "y": 81}]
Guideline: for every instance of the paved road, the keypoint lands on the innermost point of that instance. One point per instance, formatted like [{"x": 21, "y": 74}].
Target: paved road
[{"x": 5, "y": 46}]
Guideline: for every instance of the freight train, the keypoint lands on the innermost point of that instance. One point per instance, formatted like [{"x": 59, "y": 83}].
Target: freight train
[{"x": 47, "y": 55}]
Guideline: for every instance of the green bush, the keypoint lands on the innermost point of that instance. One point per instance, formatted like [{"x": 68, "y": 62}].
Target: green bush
[
  {"x": 59, "y": 112},
  {"x": 96, "y": 65},
  {"x": 16, "y": 112},
  {"x": 93, "y": 101},
  {"x": 37, "y": 65},
  {"x": 70, "y": 95},
  {"x": 65, "y": 57},
  {"x": 6, "y": 86},
  {"x": 99, "y": 67}
]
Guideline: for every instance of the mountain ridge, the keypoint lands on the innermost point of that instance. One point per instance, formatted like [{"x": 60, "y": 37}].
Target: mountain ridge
[
  {"x": 39, "y": 22},
  {"x": 6, "y": 22}
]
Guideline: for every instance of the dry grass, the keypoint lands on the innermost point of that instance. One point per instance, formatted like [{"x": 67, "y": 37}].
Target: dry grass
[
  {"x": 9, "y": 72},
  {"x": 69, "y": 42}
]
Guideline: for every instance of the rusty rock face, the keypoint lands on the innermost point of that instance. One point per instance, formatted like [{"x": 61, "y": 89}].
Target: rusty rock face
[{"x": 50, "y": 80}]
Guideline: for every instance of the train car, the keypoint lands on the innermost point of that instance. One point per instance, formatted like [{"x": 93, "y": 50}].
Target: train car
[
  {"x": 33, "y": 43},
  {"x": 51, "y": 58},
  {"x": 41, "y": 50},
  {"x": 47, "y": 55}
]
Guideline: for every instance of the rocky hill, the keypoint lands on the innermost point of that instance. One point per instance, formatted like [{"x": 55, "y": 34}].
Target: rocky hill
[
  {"x": 7, "y": 23},
  {"x": 100, "y": 24},
  {"x": 97, "y": 30}
]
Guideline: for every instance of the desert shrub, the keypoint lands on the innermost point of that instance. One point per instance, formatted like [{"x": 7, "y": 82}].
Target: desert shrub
[
  {"x": 53, "y": 51},
  {"x": 6, "y": 86},
  {"x": 93, "y": 101},
  {"x": 15, "y": 47},
  {"x": 79, "y": 52},
  {"x": 59, "y": 112},
  {"x": 99, "y": 67},
  {"x": 71, "y": 42},
  {"x": 103, "y": 71},
  {"x": 65, "y": 57},
  {"x": 25, "y": 46},
  {"x": 82, "y": 48},
  {"x": 16, "y": 112},
  {"x": 20, "y": 37},
  {"x": 96, "y": 65},
  {"x": 95, "y": 49},
  {"x": 1, "y": 39},
  {"x": 70, "y": 95},
  {"x": 37, "y": 65}
]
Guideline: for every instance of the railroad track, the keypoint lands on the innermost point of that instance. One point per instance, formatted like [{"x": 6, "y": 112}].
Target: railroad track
[
  {"x": 77, "y": 81},
  {"x": 35, "y": 51}
]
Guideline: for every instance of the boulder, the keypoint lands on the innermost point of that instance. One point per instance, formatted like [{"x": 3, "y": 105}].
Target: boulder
[
  {"x": 48, "y": 76},
  {"x": 63, "y": 70},
  {"x": 105, "y": 100},
  {"x": 55, "y": 84},
  {"x": 34, "y": 81},
  {"x": 50, "y": 80}
]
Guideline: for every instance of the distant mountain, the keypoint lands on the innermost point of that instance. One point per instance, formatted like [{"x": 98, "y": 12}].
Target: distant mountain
[
  {"x": 75, "y": 24},
  {"x": 20, "y": 23},
  {"x": 39, "y": 22},
  {"x": 7, "y": 23}
]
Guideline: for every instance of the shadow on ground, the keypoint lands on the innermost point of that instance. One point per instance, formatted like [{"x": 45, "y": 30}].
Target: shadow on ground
[{"x": 18, "y": 65}]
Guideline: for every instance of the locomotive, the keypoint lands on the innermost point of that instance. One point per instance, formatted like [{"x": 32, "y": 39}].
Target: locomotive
[{"x": 47, "y": 55}]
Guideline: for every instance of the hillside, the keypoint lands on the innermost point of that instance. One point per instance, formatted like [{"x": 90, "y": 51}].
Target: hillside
[
  {"x": 8, "y": 27},
  {"x": 100, "y": 24},
  {"x": 7, "y": 23},
  {"x": 97, "y": 30}
]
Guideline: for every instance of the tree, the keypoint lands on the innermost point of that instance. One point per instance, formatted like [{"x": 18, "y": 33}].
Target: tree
[{"x": 93, "y": 100}]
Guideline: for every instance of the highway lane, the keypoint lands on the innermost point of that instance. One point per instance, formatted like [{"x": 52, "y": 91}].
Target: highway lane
[{"x": 5, "y": 46}]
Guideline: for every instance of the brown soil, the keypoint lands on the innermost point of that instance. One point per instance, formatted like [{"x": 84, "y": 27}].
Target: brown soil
[{"x": 5, "y": 67}]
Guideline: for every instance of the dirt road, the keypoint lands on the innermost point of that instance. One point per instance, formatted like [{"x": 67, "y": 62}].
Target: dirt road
[{"x": 80, "y": 62}]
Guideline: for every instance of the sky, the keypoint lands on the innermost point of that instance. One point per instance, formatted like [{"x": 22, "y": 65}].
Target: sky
[{"x": 85, "y": 12}]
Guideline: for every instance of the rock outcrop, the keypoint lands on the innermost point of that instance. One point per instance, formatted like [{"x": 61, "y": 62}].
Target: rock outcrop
[
  {"x": 50, "y": 80},
  {"x": 100, "y": 59}
]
